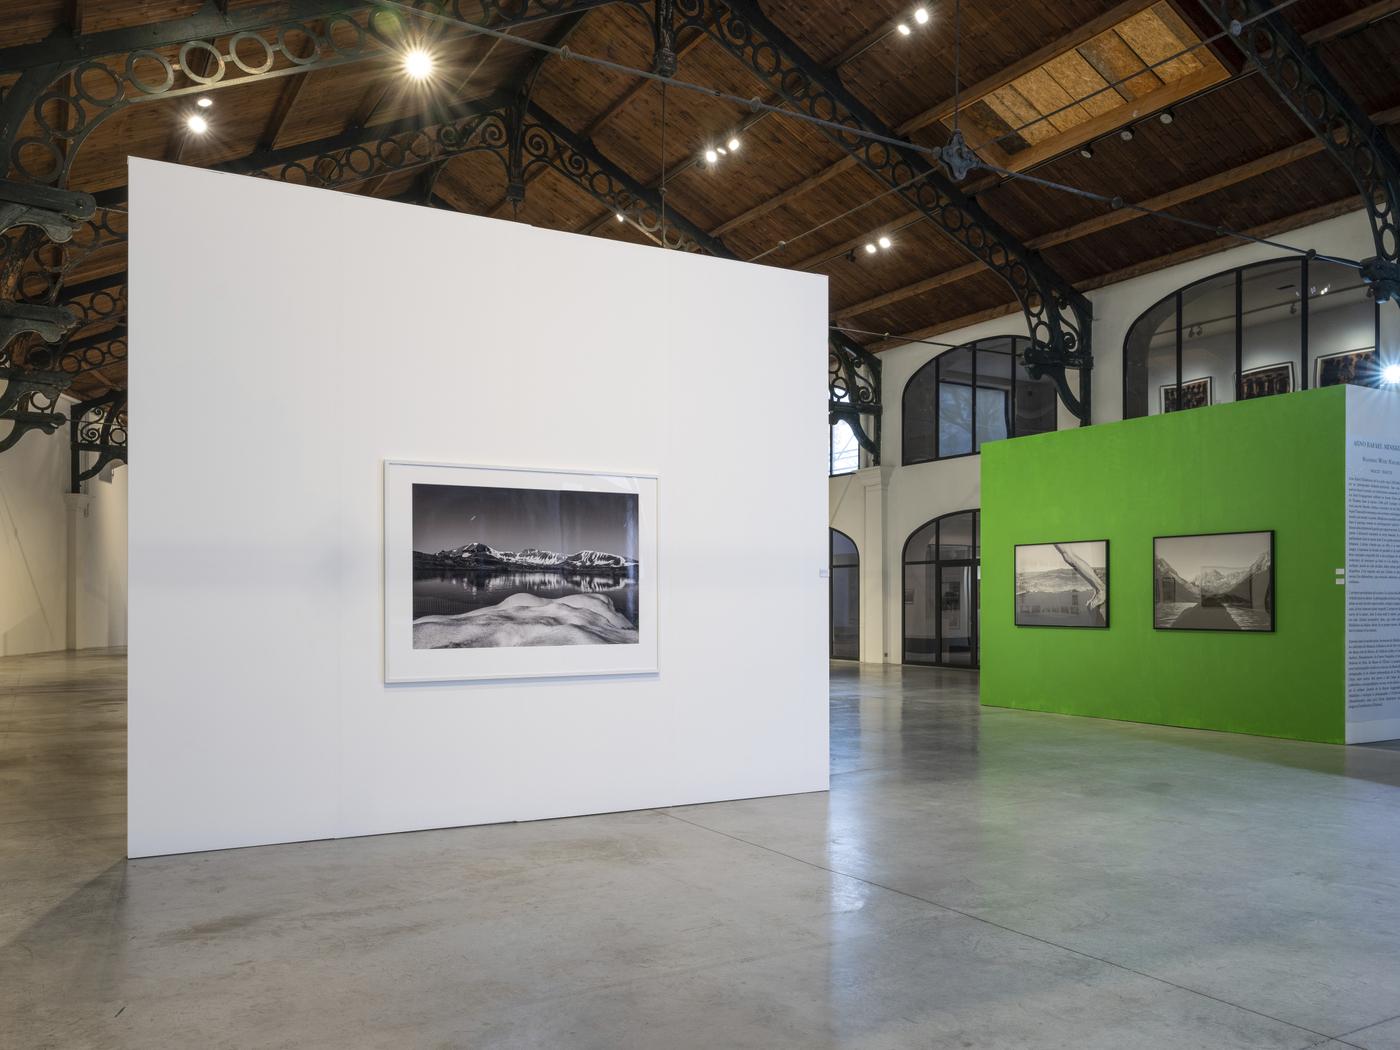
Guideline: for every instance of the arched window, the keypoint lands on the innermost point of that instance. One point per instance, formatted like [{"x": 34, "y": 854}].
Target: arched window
[
  {"x": 1267, "y": 328},
  {"x": 972, "y": 394},
  {"x": 941, "y": 603},
  {"x": 845, "y": 597}
]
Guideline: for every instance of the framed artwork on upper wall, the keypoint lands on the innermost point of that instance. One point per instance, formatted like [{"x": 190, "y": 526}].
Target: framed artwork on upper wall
[
  {"x": 1062, "y": 584},
  {"x": 495, "y": 572},
  {"x": 1358, "y": 367},
  {"x": 1220, "y": 581},
  {"x": 1267, "y": 380},
  {"x": 1195, "y": 393}
]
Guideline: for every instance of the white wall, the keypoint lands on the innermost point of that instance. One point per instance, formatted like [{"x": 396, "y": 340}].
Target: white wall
[
  {"x": 34, "y": 483},
  {"x": 258, "y": 711},
  {"x": 915, "y": 494}
]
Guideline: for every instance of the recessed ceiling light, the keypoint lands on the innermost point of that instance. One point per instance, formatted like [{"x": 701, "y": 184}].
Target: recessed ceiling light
[
  {"x": 733, "y": 145},
  {"x": 1126, "y": 134},
  {"x": 711, "y": 156},
  {"x": 921, "y": 15},
  {"x": 204, "y": 102},
  {"x": 621, "y": 217},
  {"x": 721, "y": 150},
  {"x": 197, "y": 124},
  {"x": 418, "y": 64},
  {"x": 869, "y": 249},
  {"x": 884, "y": 242},
  {"x": 1166, "y": 116},
  {"x": 1087, "y": 151},
  {"x": 904, "y": 30}
]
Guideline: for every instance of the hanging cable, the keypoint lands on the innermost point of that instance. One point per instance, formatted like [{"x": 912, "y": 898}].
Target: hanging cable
[
  {"x": 957, "y": 60},
  {"x": 837, "y": 218}
]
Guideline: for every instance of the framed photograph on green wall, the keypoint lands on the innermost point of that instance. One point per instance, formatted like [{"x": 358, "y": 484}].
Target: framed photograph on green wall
[
  {"x": 1062, "y": 584},
  {"x": 1213, "y": 582}
]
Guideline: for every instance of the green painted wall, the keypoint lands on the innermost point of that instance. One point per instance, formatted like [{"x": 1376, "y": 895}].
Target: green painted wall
[{"x": 1273, "y": 463}]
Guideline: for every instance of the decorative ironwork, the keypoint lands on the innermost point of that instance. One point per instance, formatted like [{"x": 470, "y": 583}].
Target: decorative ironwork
[
  {"x": 66, "y": 90},
  {"x": 1058, "y": 317},
  {"x": 853, "y": 384},
  {"x": 56, "y": 212},
  {"x": 1299, "y": 77},
  {"x": 97, "y": 426},
  {"x": 664, "y": 60}
]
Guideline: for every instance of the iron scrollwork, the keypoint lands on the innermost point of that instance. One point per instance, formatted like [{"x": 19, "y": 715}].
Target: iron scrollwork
[
  {"x": 97, "y": 426},
  {"x": 1058, "y": 317},
  {"x": 1299, "y": 77},
  {"x": 853, "y": 384}
]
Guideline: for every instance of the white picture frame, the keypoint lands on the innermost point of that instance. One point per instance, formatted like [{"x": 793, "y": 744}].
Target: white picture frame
[{"x": 494, "y": 660}]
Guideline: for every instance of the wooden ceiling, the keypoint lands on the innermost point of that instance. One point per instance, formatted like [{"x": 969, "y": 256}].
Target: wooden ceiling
[{"x": 1037, "y": 82}]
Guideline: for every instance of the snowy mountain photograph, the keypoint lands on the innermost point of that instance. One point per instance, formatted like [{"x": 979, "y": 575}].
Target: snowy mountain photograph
[
  {"x": 506, "y": 567},
  {"x": 1218, "y": 582},
  {"x": 1062, "y": 584}
]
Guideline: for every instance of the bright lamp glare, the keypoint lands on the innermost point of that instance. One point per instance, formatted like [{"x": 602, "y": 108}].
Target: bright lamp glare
[
  {"x": 621, "y": 217},
  {"x": 921, "y": 15},
  {"x": 418, "y": 64},
  {"x": 1390, "y": 375},
  {"x": 904, "y": 30},
  {"x": 197, "y": 124},
  {"x": 733, "y": 145},
  {"x": 204, "y": 102},
  {"x": 870, "y": 249},
  {"x": 884, "y": 242},
  {"x": 711, "y": 156}
]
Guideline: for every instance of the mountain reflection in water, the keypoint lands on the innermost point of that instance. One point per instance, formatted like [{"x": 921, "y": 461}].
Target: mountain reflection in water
[{"x": 441, "y": 593}]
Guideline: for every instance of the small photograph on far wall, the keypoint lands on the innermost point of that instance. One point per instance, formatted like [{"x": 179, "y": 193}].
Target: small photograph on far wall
[
  {"x": 1265, "y": 381},
  {"x": 1062, "y": 584},
  {"x": 1219, "y": 582},
  {"x": 1195, "y": 393},
  {"x": 1358, "y": 367}
]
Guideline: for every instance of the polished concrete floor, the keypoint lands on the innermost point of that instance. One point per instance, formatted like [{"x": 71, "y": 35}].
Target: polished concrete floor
[{"x": 975, "y": 878}]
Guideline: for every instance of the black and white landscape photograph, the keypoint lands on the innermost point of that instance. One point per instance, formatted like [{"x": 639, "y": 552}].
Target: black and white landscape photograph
[
  {"x": 507, "y": 567},
  {"x": 1220, "y": 582},
  {"x": 1062, "y": 584}
]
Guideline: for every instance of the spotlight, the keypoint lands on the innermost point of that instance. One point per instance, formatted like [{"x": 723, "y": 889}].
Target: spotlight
[
  {"x": 197, "y": 124},
  {"x": 711, "y": 156},
  {"x": 904, "y": 30},
  {"x": 418, "y": 64},
  {"x": 884, "y": 242},
  {"x": 1126, "y": 135},
  {"x": 1166, "y": 116},
  {"x": 621, "y": 217},
  {"x": 1390, "y": 374},
  {"x": 1087, "y": 151},
  {"x": 204, "y": 102},
  {"x": 733, "y": 145},
  {"x": 869, "y": 249},
  {"x": 720, "y": 150},
  {"x": 921, "y": 15}
]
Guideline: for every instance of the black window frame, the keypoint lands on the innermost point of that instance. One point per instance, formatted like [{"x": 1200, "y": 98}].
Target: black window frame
[
  {"x": 1178, "y": 296},
  {"x": 976, "y": 347},
  {"x": 938, "y": 561},
  {"x": 831, "y": 565}
]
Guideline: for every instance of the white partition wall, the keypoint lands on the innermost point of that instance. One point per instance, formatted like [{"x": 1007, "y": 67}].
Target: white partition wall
[{"x": 289, "y": 341}]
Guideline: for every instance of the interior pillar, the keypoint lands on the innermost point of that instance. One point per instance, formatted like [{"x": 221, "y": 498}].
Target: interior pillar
[{"x": 874, "y": 482}]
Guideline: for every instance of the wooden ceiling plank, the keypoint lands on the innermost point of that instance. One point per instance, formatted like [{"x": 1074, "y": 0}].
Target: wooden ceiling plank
[
  {"x": 1046, "y": 95},
  {"x": 277, "y": 119},
  {"x": 1355, "y": 20},
  {"x": 1081, "y": 81},
  {"x": 1120, "y": 65},
  {"x": 1153, "y": 42}
]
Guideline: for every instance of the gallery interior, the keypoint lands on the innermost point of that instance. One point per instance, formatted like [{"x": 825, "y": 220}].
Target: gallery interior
[{"x": 700, "y": 523}]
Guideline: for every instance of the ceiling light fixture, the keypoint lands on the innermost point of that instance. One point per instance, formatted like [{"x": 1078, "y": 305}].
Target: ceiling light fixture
[
  {"x": 733, "y": 145},
  {"x": 721, "y": 150},
  {"x": 621, "y": 217},
  {"x": 1126, "y": 134},
  {"x": 884, "y": 242},
  {"x": 1166, "y": 116},
  {"x": 711, "y": 156},
  {"x": 197, "y": 124},
  {"x": 1390, "y": 374},
  {"x": 921, "y": 15},
  {"x": 204, "y": 102},
  {"x": 418, "y": 64},
  {"x": 904, "y": 30},
  {"x": 1087, "y": 151},
  {"x": 869, "y": 248}
]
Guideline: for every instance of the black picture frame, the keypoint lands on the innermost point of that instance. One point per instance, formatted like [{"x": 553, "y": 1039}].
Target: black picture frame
[
  {"x": 1173, "y": 396},
  {"x": 1347, "y": 366},
  {"x": 1108, "y": 586},
  {"x": 1272, "y": 590},
  {"x": 1264, "y": 377}
]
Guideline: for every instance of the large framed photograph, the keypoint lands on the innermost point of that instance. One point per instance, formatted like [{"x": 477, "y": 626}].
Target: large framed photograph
[
  {"x": 1062, "y": 584},
  {"x": 1266, "y": 380},
  {"x": 493, "y": 572},
  {"x": 1217, "y": 582},
  {"x": 1194, "y": 393},
  {"x": 1358, "y": 367}
]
